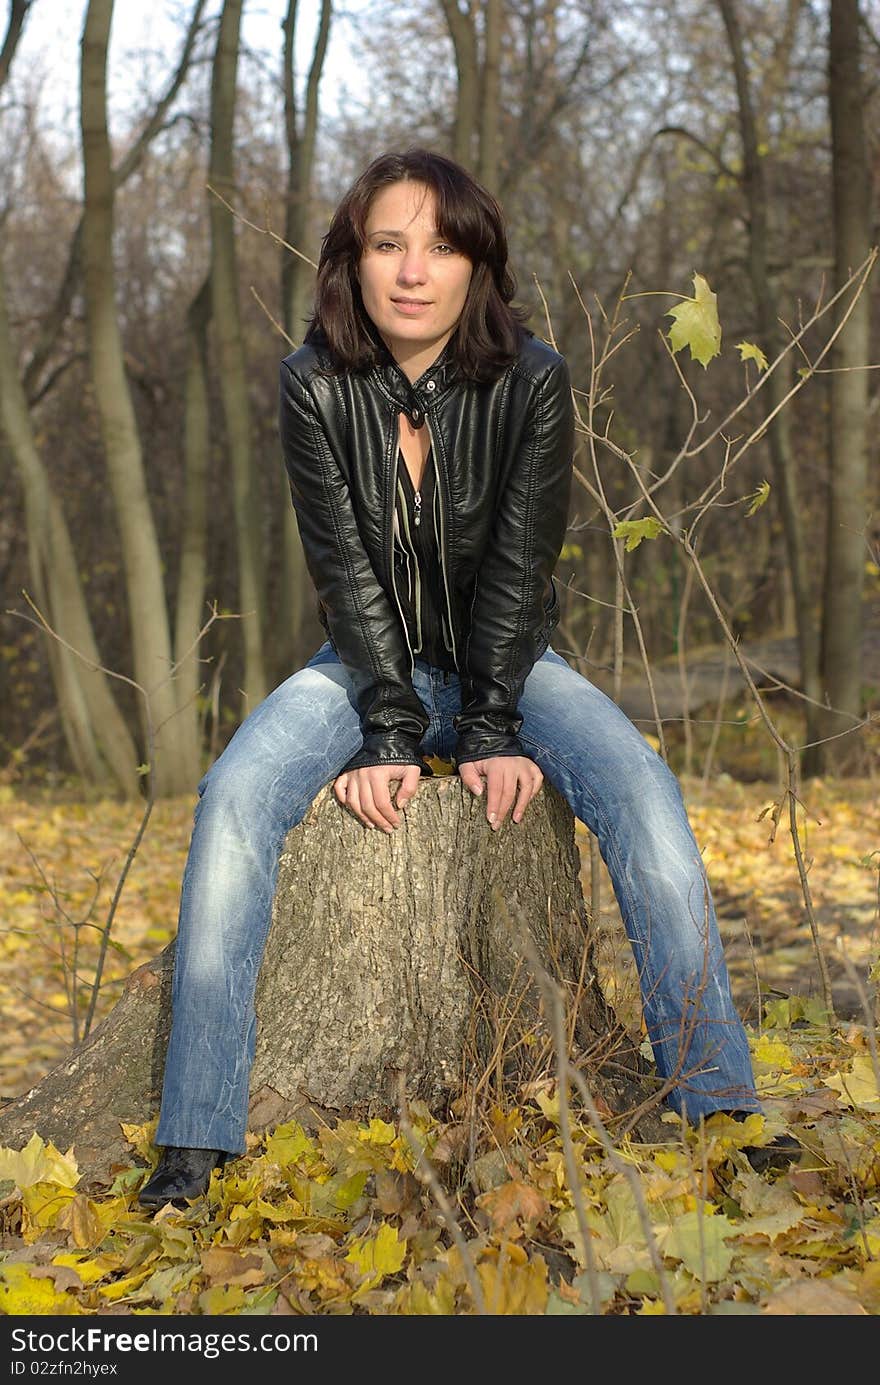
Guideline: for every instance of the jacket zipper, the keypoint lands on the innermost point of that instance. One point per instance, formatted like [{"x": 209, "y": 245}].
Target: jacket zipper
[
  {"x": 415, "y": 584},
  {"x": 392, "y": 491},
  {"x": 438, "y": 467}
]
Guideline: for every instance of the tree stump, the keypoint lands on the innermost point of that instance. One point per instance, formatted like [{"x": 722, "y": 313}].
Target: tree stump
[{"x": 389, "y": 959}]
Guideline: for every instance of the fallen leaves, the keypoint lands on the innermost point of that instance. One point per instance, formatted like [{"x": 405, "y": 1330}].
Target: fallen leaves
[{"x": 338, "y": 1219}]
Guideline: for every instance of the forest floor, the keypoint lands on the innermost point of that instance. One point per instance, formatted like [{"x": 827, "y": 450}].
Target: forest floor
[
  {"x": 335, "y": 1221},
  {"x": 61, "y": 858}
]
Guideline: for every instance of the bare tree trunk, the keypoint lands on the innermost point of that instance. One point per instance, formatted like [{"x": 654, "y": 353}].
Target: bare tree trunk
[
  {"x": 142, "y": 559},
  {"x": 490, "y": 97},
  {"x": 297, "y": 277},
  {"x": 846, "y": 551},
  {"x": 381, "y": 960},
  {"x": 18, "y": 11},
  {"x": 53, "y": 321},
  {"x": 297, "y": 281},
  {"x": 462, "y": 31},
  {"x": 98, "y": 740},
  {"x": 231, "y": 358},
  {"x": 94, "y": 730},
  {"x": 191, "y": 580},
  {"x": 785, "y": 479}
]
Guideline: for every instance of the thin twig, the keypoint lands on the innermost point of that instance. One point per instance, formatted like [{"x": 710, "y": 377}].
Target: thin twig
[{"x": 424, "y": 1170}]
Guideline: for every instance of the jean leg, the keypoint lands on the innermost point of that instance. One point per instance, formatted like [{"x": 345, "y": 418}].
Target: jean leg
[
  {"x": 263, "y": 783},
  {"x": 622, "y": 790}
]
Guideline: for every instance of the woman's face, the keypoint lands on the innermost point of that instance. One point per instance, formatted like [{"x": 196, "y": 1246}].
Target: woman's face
[{"x": 413, "y": 283}]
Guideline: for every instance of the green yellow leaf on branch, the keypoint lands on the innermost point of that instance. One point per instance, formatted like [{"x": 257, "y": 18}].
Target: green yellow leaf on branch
[{"x": 696, "y": 324}]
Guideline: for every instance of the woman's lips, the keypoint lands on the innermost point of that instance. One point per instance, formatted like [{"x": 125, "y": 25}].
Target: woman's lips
[{"x": 410, "y": 307}]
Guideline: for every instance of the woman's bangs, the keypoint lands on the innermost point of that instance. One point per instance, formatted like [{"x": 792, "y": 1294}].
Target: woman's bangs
[{"x": 464, "y": 225}]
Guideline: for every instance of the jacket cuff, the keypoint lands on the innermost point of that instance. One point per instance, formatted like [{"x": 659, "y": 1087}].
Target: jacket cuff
[
  {"x": 387, "y": 749},
  {"x": 485, "y": 745}
]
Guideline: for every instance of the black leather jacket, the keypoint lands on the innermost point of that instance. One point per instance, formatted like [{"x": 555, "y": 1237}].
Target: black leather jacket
[{"x": 503, "y": 459}]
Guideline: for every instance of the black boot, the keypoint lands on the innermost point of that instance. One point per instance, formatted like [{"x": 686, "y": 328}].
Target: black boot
[
  {"x": 780, "y": 1153},
  {"x": 180, "y": 1174}
]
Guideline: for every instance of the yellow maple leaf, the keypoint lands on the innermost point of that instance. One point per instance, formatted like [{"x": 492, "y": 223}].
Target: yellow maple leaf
[
  {"x": 85, "y": 1222},
  {"x": 859, "y": 1086},
  {"x": 21, "y": 1294},
  {"x": 122, "y": 1287},
  {"x": 378, "y": 1132},
  {"x": 773, "y": 1052},
  {"x": 696, "y": 324},
  {"x": 750, "y": 351},
  {"x": 440, "y": 767},
  {"x": 378, "y": 1256},
  {"x": 510, "y": 1288},
  {"x": 418, "y": 1300},
  {"x": 90, "y": 1268},
  {"x": 42, "y": 1204},
  {"x": 140, "y": 1137},
  {"x": 222, "y": 1300},
  {"x": 38, "y": 1163},
  {"x": 288, "y": 1143}
]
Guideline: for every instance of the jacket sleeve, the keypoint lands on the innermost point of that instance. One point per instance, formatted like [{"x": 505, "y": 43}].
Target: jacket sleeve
[
  {"x": 508, "y": 608},
  {"x": 363, "y": 626}
]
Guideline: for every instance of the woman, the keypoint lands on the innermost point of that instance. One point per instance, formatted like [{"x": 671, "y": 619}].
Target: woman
[{"x": 428, "y": 439}]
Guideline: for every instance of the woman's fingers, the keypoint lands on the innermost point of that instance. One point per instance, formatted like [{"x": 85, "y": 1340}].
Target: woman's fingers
[
  {"x": 367, "y": 792},
  {"x": 509, "y": 778},
  {"x": 511, "y": 783},
  {"x": 528, "y": 787},
  {"x": 375, "y": 802}
]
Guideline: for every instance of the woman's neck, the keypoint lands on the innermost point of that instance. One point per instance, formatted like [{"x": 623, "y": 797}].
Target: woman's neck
[{"x": 415, "y": 361}]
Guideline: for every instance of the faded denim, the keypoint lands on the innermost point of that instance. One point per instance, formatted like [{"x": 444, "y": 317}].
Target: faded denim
[{"x": 298, "y": 740}]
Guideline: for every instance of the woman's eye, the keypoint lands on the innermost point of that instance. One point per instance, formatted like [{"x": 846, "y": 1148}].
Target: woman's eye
[{"x": 392, "y": 245}]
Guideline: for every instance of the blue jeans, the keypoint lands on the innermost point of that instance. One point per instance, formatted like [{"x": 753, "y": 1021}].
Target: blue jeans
[{"x": 298, "y": 740}]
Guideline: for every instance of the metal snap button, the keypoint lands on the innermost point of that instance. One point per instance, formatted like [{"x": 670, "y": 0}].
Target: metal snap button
[{"x": 431, "y": 385}]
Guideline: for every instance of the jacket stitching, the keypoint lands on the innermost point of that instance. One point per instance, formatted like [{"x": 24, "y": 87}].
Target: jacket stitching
[
  {"x": 502, "y": 410},
  {"x": 318, "y": 440},
  {"x": 531, "y": 490}
]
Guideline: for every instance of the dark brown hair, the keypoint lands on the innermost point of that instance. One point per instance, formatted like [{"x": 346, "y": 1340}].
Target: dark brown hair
[{"x": 490, "y": 330}]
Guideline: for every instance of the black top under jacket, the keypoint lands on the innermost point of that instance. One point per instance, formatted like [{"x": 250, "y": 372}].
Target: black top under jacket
[{"x": 419, "y": 581}]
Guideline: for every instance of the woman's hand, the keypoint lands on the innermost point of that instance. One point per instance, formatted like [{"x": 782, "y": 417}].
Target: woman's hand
[
  {"x": 367, "y": 792},
  {"x": 507, "y": 777}
]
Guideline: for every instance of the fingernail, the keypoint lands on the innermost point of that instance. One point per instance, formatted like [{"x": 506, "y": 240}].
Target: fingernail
[{"x": 491, "y": 817}]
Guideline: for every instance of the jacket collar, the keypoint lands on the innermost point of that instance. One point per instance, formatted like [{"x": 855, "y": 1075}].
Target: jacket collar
[{"x": 415, "y": 398}]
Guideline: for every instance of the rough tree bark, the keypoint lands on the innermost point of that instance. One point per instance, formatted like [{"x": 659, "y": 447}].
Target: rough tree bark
[
  {"x": 292, "y": 625},
  {"x": 771, "y": 338},
  {"x": 389, "y": 957},
  {"x": 142, "y": 558},
  {"x": 190, "y": 607},
  {"x": 848, "y": 492},
  {"x": 231, "y": 358}
]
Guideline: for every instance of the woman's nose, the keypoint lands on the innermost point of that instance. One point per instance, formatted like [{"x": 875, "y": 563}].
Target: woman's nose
[{"x": 413, "y": 269}]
